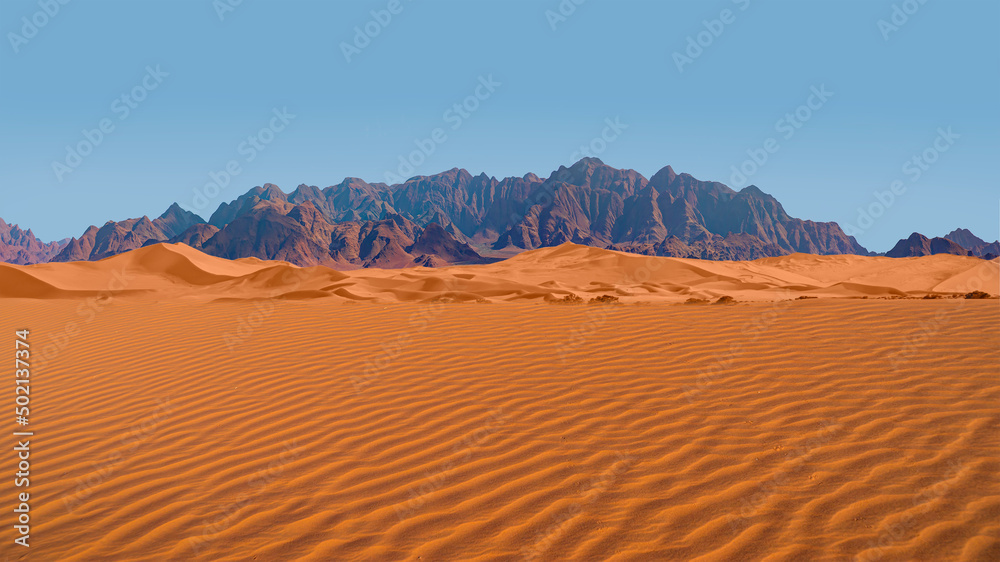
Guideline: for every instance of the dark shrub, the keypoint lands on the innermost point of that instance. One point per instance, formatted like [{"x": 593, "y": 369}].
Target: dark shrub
[
  {"x": 978, "y": 295},
  {"x": 568, "y": 299}
]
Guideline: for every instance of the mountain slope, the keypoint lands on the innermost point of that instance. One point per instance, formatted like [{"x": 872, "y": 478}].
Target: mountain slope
[
  {"x": 22, "y": 247},
  {"x": 395, "y": 242},
  {"x": 608, "y": 207},
  {"x": 919, "y": 245},
  {"x": 116, "y": 237},
  {"x": 973, "y": 243}
]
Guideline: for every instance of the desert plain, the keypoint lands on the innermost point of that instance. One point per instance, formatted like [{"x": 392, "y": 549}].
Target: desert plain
[{"x": 187, "y": 407}]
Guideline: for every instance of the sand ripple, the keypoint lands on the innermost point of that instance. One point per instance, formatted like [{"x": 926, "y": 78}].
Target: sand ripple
[{"x": 805, "y": 430}]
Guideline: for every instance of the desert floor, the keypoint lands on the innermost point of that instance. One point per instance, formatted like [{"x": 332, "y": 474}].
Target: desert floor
[
  {"x": 322, "y": 429},
  {"x": 187, "y": 407}
]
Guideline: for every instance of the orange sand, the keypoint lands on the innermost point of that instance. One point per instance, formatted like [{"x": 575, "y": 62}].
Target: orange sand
[
  {"x": 178, "y": 272},
  {"x": 191, "y": 417}
]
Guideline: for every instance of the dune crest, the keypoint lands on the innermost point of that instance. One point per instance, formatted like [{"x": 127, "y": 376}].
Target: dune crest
[{"x": 163, "y": 271}]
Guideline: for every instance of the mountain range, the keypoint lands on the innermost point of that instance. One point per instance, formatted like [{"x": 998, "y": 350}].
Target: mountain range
[
  {"x": 457, "y": 218},
  {"x": 959, "y": 242},
  {"x": 22, "y": 247}
]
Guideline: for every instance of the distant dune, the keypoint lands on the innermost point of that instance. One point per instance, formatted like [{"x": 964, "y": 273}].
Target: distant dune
[{"x": 169, "y": 271}]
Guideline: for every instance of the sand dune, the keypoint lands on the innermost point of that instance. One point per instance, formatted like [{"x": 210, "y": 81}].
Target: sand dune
[
  {"x": 170, "y": 271},
  {"x": 182, "y": 414}
]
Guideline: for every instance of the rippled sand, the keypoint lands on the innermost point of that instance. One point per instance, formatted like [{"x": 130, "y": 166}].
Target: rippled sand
[
  {"x": 188, "y": 407},
  {"x": 322, "y": 430}
]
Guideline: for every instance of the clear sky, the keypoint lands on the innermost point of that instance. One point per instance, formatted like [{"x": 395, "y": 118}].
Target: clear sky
[{"x": 555, "y": 79}]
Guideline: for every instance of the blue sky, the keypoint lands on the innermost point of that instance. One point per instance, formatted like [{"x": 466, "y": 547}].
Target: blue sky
[{"x": 556, "y": 80}]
